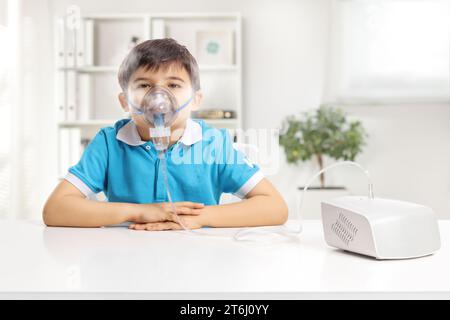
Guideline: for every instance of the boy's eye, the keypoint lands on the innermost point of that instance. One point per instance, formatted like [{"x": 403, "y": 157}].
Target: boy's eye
[
  {"x": 174, "y": 86},
  {"x": 144, "y": 86}
]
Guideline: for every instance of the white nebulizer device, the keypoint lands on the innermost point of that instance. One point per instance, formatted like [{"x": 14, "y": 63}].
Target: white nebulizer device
[{"x": 385, "y": 229}]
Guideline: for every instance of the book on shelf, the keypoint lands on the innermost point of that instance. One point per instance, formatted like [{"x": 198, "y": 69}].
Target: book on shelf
[
  {"x": 71, "y": 103},
  {"x": 79, "y": 45},
  {"x": 70, "y": 47},
  {"x": 84, "y": 97},
  {"x": 60, "y": 43},
  {"x": 88, "y": 40},
  {"x": 60, "y": 94},
  {"x": 214, "y": 114}
]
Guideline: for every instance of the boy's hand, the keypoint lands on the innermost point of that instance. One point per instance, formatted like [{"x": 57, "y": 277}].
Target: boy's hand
[
  {"x": 162, "y": 212},
  {"x": 190, "y": 222}
]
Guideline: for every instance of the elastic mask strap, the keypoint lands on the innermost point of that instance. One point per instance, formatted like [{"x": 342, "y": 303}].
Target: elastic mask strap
[
  {"x": 137, "y": 110},
  {"x": 184, "y": 105}
]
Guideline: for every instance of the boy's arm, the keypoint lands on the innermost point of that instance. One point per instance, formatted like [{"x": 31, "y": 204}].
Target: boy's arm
[
  {"x": 67, "y": 206},
  {"x": 263, "y": 206}
]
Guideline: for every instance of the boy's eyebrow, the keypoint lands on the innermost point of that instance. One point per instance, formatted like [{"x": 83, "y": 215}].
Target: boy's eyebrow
[
  {"x": 168, "y": 78},
  {"x": 175, "y": 78}
]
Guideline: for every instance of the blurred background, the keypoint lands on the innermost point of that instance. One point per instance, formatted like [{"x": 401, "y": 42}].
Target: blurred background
[{"x": 384, "y": 64}]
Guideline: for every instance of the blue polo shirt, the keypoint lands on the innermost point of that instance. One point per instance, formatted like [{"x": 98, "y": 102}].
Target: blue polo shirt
[{"x": 201, "y": 166}]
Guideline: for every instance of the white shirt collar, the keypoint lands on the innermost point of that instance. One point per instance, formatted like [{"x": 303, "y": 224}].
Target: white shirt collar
[{"x": 130, "y": 135}]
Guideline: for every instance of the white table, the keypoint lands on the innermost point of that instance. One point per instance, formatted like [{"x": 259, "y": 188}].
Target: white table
[{"x": 41, "y": 262}]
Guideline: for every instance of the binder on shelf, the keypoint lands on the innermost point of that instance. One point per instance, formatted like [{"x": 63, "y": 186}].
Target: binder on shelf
[
  {"x": 60, "y": 93},
  {"x": 70, "y": 45},
  {"x": 158, "y": 29},
  {"x": 84, "y": 97},
  {"x": 79, "y": 37},
  {"x": 71, "y": 103},
  {"x": 88, "y": 42},
  {"x": 60, "y": 43}
]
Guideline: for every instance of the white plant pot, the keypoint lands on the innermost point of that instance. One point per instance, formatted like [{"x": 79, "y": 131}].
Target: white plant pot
[{"x": 311, "y": 208}]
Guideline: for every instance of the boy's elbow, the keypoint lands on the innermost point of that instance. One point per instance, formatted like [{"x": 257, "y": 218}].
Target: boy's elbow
[
  {"x": 282, "y": 211},
  {"x": 47, "y": 214}
]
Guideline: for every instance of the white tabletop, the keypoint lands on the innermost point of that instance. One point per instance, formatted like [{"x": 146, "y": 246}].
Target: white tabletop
[{"x": 42, "y": 262}]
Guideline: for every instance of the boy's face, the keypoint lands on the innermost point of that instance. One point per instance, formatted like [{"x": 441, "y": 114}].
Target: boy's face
[{"x": 173, "y": 78}]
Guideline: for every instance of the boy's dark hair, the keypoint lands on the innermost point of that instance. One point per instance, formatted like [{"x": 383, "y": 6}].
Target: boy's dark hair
[{"x": 154, "y": 54}]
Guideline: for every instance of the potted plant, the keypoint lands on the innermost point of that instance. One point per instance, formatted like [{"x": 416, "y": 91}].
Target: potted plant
[{"x": 325, "y": 132}]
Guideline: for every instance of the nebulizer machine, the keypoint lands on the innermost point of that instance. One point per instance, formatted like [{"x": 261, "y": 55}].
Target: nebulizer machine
[{"x": 377, "y": 227}]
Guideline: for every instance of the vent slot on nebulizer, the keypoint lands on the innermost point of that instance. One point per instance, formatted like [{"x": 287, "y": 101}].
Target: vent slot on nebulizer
[{"x": 344, "y": 229}]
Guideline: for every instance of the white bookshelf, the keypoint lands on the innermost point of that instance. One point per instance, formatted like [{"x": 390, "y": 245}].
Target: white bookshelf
[{"x": 88, "y": 59}]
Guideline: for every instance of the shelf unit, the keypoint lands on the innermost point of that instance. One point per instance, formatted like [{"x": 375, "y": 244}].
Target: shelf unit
[{"x": 88, "y": 58}]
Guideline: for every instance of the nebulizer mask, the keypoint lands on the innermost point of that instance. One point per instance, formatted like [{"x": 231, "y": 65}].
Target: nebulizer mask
[{"x": 159, "y": 108}]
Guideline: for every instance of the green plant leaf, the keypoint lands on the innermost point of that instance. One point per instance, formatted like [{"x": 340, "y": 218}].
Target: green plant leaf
[{"x": 325, "y": 131}]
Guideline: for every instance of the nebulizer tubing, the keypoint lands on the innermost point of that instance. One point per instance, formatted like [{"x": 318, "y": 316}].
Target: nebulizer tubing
[
  {"x": 163, "y": 161},
  {"x": 279, "y": 230},
  {"x": 284, "y": 230}
]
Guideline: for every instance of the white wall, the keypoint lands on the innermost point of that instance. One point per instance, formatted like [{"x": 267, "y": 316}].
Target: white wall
[
  {"x": 408, "y": 153},
  {"x": 3, "y": 10},
  {"x": 285, "y": 46}
]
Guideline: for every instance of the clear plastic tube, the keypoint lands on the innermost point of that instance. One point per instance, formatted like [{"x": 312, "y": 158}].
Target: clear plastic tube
[{"x": 163, "y": 161}]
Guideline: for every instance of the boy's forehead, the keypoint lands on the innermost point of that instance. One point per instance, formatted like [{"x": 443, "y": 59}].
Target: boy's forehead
[{"x": 162, "y": 73}]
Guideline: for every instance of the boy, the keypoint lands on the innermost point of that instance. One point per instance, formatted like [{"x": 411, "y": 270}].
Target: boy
[{"x": 122, "y": 161}]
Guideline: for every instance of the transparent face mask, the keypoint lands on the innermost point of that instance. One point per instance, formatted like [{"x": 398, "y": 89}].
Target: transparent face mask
[{"x": 159, "y": 107}]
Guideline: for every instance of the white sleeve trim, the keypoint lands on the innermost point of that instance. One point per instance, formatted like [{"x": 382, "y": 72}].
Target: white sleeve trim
[
  {"x": 73, "y": 179},
  {"x": 250, "y": 184}
]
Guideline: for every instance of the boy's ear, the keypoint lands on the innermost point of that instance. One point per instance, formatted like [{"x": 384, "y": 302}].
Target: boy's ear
[
  {"x": 197, "y": 101},
  {"x": 123, "y": 102}
]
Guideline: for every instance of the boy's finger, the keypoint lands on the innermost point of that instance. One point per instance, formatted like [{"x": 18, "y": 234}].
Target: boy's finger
[
  {"x": 183, "y": 210},
  {"x": 189, "y": 211},
  {"x": 139, "y": 226},
  {"x": 171, "y": 226},
  {"x": 151, "y": 226},
  {"x": 160, "y": 226},
  {"x": 190, "y": 204}
]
